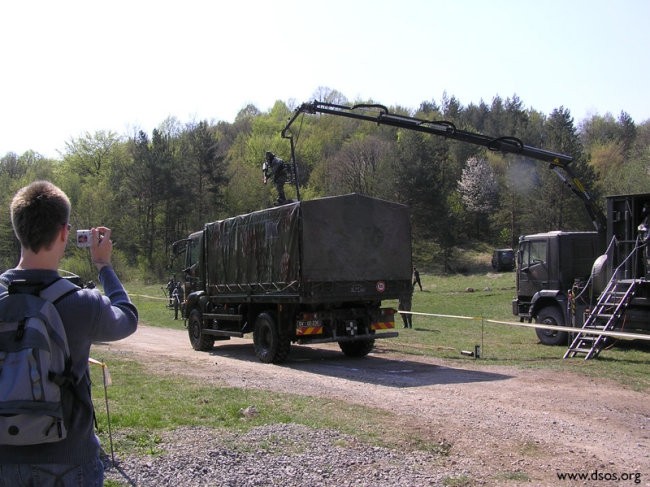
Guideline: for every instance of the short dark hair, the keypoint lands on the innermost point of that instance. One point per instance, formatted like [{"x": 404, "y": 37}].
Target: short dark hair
[{"x": 37, "y": 213}]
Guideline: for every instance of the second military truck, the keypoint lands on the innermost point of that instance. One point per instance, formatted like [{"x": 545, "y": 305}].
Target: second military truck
[
  {"x": 305, "y": 272},
  {"x": 598, "y": 280}
]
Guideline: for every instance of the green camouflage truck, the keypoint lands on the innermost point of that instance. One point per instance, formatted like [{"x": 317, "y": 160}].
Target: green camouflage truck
[{"x": 306, "y": 272}]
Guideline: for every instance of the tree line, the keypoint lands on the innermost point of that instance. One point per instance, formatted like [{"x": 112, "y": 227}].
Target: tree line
[{"x": 153, "y": 189}]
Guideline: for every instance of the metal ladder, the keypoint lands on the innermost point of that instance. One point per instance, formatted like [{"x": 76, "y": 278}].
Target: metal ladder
[{"x": 607, "y": 313}]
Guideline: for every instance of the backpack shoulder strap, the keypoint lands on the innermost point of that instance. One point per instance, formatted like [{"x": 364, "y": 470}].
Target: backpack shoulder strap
[
  {"x": 4, "y": 286},
  {"x": 59, "y": 289},
  {"x": 54, "y": 293}
]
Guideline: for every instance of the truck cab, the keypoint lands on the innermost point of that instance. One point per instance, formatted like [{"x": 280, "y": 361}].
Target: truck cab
[
  {"x": 186, "y": 255},
  {"x": 548, "y": 265}
]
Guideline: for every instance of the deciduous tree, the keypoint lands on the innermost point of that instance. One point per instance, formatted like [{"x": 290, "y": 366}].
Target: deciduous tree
[{"x": 478, "y": 188}]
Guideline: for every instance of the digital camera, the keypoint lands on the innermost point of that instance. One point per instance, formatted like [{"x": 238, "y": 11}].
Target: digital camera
[{"x": 83, "y": 238}]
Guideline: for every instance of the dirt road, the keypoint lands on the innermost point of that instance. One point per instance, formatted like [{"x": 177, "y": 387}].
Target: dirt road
[{"x": 499, "y": 421}]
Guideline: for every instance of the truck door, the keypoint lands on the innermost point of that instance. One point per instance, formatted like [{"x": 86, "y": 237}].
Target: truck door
[
  {"x": 532, "y": 270},
  {"x": 186, "y": 256},
  {"x": 192, "y": 258}
]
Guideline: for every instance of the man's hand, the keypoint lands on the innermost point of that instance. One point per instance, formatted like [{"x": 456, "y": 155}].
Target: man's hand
[{"x": 101, "y": 247}]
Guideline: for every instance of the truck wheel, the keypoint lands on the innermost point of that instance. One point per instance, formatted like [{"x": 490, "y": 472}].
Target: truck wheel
[
  {"x": 199, "y": 341},
  {"x": 359, "y": 348},
  {"x": 551, "y": 316},
  {"x": 270, "y": 346}
]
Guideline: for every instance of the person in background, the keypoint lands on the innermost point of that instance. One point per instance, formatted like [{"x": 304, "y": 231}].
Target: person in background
[
  {"x": 405, "y": 305},
  {"x": 275, "y": 168},
  {"x": 416, "y": 279},
  {"x": 40, "y": 215},
  {"x": 177, "y": 295},
  {"x": 171, "y": 285}
]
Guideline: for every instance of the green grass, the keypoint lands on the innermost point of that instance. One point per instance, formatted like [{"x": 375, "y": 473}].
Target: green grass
[
  {"x": 492, "y": 294},
  {"x": 152, "y": 305},
  {"x": 142, "y": 403}
]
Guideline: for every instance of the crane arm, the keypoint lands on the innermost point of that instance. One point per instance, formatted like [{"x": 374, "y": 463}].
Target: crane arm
[{"x": 380, "y": 115}]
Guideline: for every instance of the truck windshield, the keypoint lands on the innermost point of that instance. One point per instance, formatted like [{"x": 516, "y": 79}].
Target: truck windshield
[
  {"x": 193, "y": 254},
  {"x": 534, "y": 253}
]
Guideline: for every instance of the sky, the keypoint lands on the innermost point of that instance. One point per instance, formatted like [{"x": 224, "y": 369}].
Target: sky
[{"x": 74, "y": 67}]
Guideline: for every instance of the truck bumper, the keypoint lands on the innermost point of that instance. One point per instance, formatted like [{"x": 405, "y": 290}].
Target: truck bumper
[
  {"x": 521, "y": 309},
  {"x": 355, "y": 338}
]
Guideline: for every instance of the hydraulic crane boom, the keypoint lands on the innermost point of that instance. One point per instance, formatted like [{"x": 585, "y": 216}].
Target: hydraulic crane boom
[{"x": 379, "y": 114}]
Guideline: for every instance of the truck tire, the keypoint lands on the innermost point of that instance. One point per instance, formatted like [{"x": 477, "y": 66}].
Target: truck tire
[
  {"x": 199, "y": 341},
  {"x": 357, "y": 349},
  {"x": 551, "y": 316},
  {"x": 270, "y": 345}
]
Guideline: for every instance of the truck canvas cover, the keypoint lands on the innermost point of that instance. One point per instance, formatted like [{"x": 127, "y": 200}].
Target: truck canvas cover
[
  {"x": 355, "y": 238},
  {"x": 348, "y": 238}
]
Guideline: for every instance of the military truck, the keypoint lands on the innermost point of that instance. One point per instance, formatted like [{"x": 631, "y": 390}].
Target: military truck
[
  {"x": 548, "y": 265},
  {"x": 306, "y": 272},
  {"x": 590, "y": 280},
  {"x": 503, "y": 260}
]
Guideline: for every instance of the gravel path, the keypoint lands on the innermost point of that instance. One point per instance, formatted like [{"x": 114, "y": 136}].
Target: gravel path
[{"x": 286, "y": 455}]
